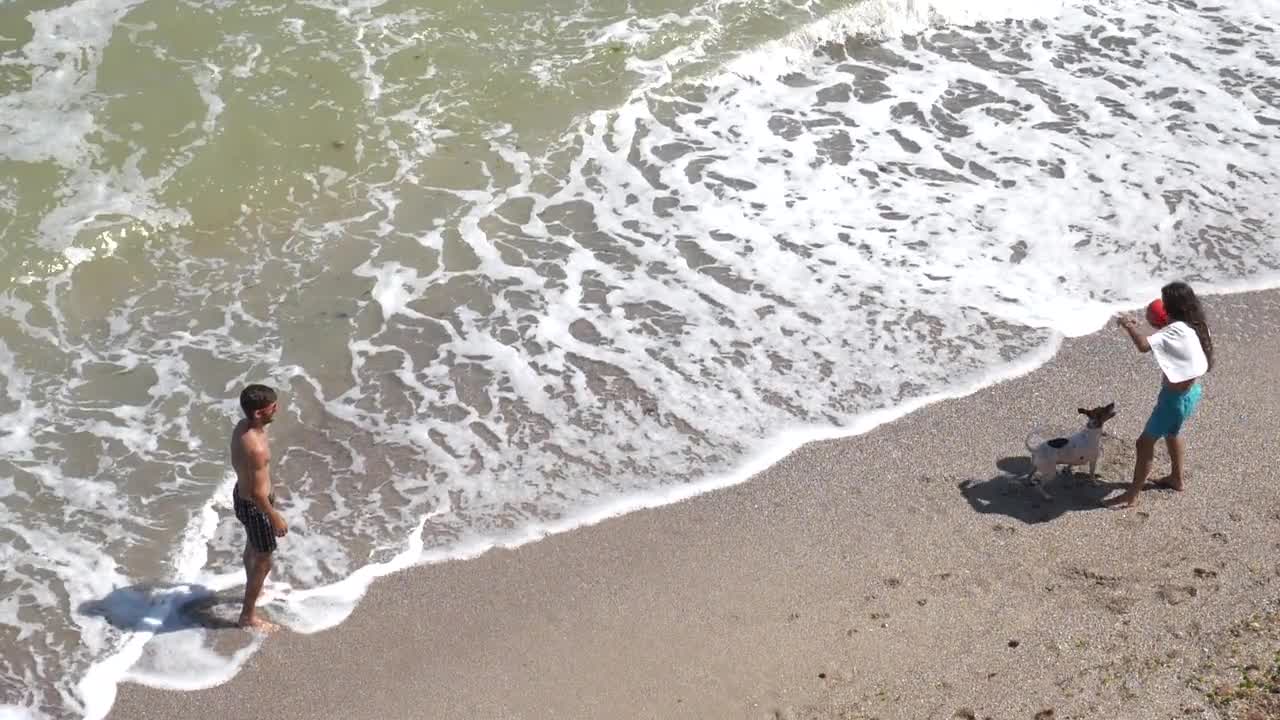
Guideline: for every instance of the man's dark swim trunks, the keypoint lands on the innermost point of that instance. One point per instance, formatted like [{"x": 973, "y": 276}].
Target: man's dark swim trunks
[{"x": 257, "y": 525}]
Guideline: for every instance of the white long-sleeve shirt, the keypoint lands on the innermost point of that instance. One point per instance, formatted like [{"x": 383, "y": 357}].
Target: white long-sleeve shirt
[{"x": 1178, "y": 352}]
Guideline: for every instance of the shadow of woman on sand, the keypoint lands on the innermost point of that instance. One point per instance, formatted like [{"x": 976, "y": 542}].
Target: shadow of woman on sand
[
  {"x": 158, "y": 607},
  {"x": 1008, "y": 493}
]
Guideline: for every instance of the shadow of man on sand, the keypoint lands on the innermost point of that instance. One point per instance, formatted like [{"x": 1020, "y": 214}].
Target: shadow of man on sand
[
  {"x": 158, "y": 608},
  {"x": 1009, "y": 493}
]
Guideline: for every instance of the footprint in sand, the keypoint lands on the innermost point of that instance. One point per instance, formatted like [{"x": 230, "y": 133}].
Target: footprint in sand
[
  {"x": 1120, "y": 605},
  {"x": 1176, "y": 594},
  {"x": 1099, "y": 579},
  {"x": 1134, "y": 519}
]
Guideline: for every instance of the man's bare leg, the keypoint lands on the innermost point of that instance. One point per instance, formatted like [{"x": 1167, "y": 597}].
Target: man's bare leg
[
  {"x": 1146, "y": 448},
  {"x": 256, "y": 567},
  {"x": 1177, "y": 451}
]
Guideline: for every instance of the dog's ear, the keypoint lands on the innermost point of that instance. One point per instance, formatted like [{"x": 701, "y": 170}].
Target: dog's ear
[{"x": 1082, "y": 411}]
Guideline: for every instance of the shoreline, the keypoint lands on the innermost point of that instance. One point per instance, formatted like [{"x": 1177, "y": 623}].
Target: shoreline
[
  {"x": 786, "y": 511},
  {"x": 778, "y": 447}
]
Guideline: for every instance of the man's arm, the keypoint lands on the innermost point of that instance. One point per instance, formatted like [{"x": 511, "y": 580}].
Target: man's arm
[
  {"x": 1139, "y": 340},
  {"x": 260, "y": 490}
]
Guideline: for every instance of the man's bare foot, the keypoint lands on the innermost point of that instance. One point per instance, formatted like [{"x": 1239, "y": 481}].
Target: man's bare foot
[
  {"x": 1125, "y": 500},
  {"x": 257, "y": 624},
  {"x": 1169, "y": 483}
]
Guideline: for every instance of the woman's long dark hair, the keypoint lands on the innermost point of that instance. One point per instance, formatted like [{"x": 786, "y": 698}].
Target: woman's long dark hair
[{"x": 1181, "y": 303}]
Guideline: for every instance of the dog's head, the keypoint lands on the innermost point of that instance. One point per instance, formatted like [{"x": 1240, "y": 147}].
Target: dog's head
[{"x": 1099, "y": 415}]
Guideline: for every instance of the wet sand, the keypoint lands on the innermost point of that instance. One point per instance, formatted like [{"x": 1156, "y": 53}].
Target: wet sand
[{"x": 904, "y": 573}]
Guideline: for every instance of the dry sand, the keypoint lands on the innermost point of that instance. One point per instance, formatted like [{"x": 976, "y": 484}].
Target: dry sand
[{"x": 898, "y": 574}]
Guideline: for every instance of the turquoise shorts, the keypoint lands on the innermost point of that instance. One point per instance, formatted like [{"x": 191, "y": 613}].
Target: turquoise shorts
[{"x": 1172, "y": 410}]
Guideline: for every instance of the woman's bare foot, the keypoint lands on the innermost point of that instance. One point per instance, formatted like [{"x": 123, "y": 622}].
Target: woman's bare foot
[
  {"x": 1169, "y": 482},
  {"x": 257, "y": 624}
]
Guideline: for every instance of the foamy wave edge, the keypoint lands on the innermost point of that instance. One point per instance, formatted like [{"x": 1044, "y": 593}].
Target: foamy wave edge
[{"x": 886, "y": 18}]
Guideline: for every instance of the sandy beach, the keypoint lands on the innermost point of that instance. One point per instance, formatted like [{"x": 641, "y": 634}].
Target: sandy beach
[{"x": 904, "y": 573}]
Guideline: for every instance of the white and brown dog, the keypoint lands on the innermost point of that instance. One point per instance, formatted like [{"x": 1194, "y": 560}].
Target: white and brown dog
[{"x": 1079, "y": 449}]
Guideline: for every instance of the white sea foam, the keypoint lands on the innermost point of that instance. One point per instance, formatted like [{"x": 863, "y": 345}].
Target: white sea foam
[
  {"x": 884, "y": 19},
  {"x": 153, "y": 654},
  {"x": 56, "y": 121},
  {"x": 54, "y": 117}
]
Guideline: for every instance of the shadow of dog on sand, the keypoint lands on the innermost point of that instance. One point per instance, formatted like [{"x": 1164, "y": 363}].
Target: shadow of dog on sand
[{"x": 1008, "y": 493}]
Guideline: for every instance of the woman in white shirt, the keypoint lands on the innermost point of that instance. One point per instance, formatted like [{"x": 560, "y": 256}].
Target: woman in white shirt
[{"x": 1184, "y": 351}]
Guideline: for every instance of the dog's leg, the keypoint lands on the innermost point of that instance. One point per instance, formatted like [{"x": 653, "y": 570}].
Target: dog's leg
[
  {"x": 1045, "y": 477},
  {"x": 1093, "y": 470},
  {"x": 1030, "y": 478}
]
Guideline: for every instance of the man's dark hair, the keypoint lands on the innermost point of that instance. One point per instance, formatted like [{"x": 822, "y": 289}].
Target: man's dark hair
[{"x": 256, "y": 397}]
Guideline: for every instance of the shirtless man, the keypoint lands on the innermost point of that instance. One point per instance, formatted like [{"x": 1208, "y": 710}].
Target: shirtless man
[{"x": 252, "y": 497}]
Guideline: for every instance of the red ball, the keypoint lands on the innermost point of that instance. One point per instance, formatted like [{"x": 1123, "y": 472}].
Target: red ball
[{"x": 1156, "y": 315}]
